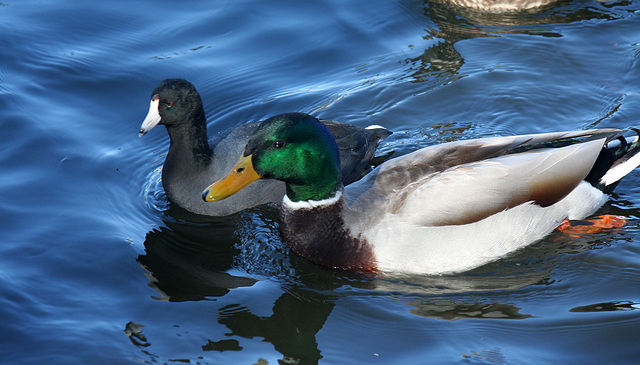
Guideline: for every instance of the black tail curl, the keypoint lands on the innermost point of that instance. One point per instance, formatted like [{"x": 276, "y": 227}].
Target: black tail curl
[{"x": 611, "y": 156}]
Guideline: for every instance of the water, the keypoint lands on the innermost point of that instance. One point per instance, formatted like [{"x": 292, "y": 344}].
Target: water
[{"x": 97, "y": 267}]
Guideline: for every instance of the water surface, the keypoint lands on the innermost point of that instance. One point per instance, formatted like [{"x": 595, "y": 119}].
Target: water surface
[{"x": 97, "y": 267}]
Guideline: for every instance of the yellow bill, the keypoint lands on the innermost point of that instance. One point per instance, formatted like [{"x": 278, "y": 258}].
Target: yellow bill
[{"x": 241, "y": 175}]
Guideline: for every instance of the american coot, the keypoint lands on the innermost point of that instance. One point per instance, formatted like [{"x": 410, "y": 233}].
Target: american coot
[
  {"x": 442, "y": 209},
  {"x": 193, "y": 161}
]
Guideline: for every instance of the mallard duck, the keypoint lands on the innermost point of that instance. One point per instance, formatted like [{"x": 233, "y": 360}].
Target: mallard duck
[
  {"x": 192, "y": 160},
  {"x": 442, "y": 209},
  {"x": 499, "y": 5}
]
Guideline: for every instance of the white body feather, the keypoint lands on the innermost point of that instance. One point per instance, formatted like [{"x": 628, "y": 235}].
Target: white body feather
[{"x": 402, "y": 246}]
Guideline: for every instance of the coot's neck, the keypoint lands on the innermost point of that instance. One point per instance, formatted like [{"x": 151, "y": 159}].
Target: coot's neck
[{"x": 189, "y": 142}]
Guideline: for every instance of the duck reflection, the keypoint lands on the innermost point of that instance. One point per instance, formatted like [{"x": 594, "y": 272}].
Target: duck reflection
[
  {"x": 607, "y": 307},
  {"x": 452, "y": 23},
  {"x": 500, "y": 6},
  {"x": 468, "y": 295},
  {"x": 298, "y": 315},
  {"x": 301, "y": 311},
  {"x": 188, "y": 259},
  {"x": 454, "y": 311}
]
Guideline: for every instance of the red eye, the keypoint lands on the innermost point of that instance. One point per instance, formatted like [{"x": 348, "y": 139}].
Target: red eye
[{"x": 169, "y": 104}]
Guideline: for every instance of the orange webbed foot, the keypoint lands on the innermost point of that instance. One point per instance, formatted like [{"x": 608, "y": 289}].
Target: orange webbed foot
[{"x": 591, "y": 225}]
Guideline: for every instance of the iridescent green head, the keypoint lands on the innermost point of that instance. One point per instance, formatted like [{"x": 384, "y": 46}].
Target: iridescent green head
[
  {"x": 299, "y": 150},
  {"x": 295, "y": 148}
]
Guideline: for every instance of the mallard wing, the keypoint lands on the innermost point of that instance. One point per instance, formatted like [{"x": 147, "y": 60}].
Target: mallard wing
[{"x": 466, "y": 181}]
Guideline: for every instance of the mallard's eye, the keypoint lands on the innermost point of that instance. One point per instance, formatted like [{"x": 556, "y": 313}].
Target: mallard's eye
[{"x": 278, "y": 144}]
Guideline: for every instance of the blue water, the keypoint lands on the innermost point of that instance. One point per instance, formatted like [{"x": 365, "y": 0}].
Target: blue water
[{"x": 96, "y": 267}]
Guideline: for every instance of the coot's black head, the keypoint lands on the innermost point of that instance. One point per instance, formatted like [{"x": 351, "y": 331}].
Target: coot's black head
[{"x": 173, "y": 102}]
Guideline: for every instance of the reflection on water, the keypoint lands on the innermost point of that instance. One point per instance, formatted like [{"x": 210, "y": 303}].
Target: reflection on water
[
  {"x": 448, "y": 24},
  {"x": 456, "y": 23},
  {"x": 607, "y": 307},
  {"x": 454, "y": 311},
  {"x": 188, "y": 260},
  {"x": 504, "y": 275},
  {"x": 133, "y": 330},
  {"x": 222, "y": 345},
  {"x": 297, "y": 317}
]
